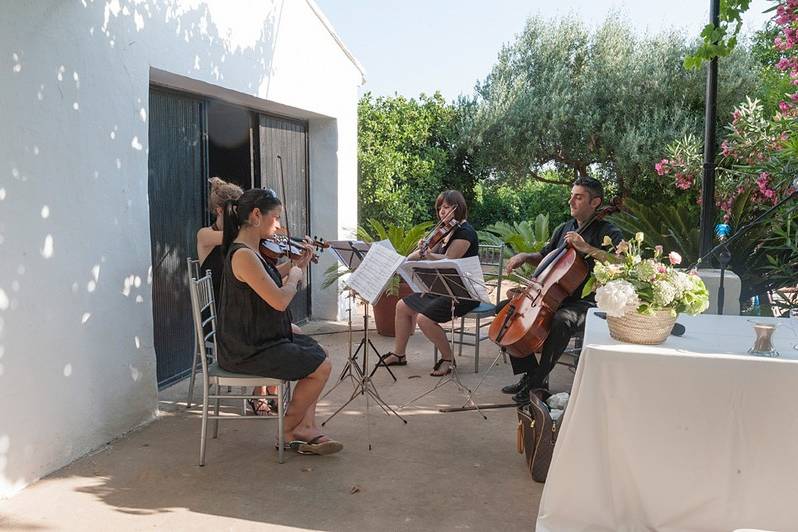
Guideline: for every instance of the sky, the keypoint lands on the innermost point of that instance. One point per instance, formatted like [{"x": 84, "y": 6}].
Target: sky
[{"x": 412, "y": 46}]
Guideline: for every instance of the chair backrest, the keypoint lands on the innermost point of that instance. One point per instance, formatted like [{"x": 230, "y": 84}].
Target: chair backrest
[
  {"x": 193, "y": 268},
  {"x": 491, "y": 257},
  {"x": 202, "y": 303}
]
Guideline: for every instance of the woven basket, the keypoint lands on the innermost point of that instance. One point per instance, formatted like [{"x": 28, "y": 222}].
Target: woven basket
[{"x": 639, "y": 329}]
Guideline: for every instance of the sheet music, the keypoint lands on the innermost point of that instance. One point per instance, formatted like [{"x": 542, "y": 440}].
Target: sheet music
[
  {"x": 376, "y": 270},
  {"x": 469, "y": 269}
]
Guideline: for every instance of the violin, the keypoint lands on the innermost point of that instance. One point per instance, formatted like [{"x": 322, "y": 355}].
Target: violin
[
  {"x": 443, "y": 229},
  {"x": 523, "y": 325},
  {"x": 280, "y": 246}
]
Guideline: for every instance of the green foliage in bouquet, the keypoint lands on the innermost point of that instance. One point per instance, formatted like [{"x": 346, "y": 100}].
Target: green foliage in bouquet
[{"x": 631, "y": 282}]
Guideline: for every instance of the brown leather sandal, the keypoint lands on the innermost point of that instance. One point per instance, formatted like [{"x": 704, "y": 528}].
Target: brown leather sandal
[
  {"x": 401, "y": 360},
  {"x": 438, "y": 365}
]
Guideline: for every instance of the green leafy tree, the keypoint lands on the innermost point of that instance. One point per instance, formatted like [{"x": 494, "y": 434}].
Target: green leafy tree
[
  {"x": 407, "y": 154},
  {"x": 502, "y": 202},
  {"x": 599, "y": 103}
]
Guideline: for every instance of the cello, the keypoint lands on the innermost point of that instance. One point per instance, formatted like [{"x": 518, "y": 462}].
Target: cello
[{"x": 522, "y": 326}]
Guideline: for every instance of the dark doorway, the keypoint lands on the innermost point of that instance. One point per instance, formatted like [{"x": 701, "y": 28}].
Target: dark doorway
[
  {"x": 230, "y": 144},
  {"x": 191, "y": 139},
  {"x": 288, "y": 139},
  {"x": 177, "y": 194}
]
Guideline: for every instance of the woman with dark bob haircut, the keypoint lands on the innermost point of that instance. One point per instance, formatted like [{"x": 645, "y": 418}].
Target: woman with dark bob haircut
[{"x": 429, "y": 311}]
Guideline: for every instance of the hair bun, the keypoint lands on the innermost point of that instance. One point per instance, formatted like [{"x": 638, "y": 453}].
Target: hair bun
[{"x": 216, "y": 183}]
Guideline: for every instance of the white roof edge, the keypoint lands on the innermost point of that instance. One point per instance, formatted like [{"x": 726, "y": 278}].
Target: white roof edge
[{"x": 317, "y": 11}]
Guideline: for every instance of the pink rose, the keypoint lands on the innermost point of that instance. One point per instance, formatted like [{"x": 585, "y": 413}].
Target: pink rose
[{"x": 674, "y": 258}]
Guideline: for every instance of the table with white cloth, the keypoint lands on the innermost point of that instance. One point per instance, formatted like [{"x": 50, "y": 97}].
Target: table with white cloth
[{"x": 691, "y": 434}]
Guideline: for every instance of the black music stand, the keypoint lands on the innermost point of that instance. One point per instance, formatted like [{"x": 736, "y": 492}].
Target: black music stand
[
  {"x": 351, "y": 255},
  {"x": 446, "y": 281}
]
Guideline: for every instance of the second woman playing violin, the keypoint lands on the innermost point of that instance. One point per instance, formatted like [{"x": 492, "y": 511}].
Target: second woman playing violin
[{"x": 432, "y": 310}]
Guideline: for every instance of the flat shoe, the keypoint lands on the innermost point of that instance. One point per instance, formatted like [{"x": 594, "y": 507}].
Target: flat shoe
[
  {"x": 438, "y": 365},
  {"x": 401, "y": 360},
  {"x": 289, "y": 445},
  {"x": 321, "y": 448}
]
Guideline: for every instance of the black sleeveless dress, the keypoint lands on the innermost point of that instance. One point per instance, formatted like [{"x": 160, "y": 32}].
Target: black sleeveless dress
[
  {"x": 439, "y": 308},
  {"x": 255, "y": 338},
  {"x": 215, "y": 263}
]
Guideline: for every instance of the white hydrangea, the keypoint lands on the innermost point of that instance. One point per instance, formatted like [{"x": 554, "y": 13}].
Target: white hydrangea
[
  {"x": 664, "y": 293},
  {"x": 617, "y": 297},
  {"x": 681, "y": 281}
]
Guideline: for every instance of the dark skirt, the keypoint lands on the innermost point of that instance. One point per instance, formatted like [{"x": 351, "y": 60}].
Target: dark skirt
[
  {"x": 285, "y": 360},
  {"x": 438, "y": 308}
]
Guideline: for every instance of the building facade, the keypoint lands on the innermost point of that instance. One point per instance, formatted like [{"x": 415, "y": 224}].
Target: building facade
[{"x": 115, "y": 113}]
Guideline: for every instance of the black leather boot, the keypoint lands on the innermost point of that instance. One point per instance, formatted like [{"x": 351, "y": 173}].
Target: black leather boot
[{"x": 518, "y": 386}]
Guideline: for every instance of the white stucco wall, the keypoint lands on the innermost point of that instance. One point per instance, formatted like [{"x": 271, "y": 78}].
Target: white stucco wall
[{"x": 77, "y": 365}]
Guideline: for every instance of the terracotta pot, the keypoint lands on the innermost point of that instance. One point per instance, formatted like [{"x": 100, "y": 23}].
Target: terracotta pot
[{"x": 385, "y": 310}]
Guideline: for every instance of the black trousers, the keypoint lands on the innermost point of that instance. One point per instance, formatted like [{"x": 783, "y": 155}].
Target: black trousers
[{"x": 569, "y": 319}]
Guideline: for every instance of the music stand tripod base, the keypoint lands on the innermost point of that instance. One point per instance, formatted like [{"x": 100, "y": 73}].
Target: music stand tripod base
[
  {"x": 363, "y": 384},
  {"x": 451, "y": 285}
]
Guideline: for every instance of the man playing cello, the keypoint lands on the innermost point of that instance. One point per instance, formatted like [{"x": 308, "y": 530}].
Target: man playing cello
[{"x": 586, "y": 197}]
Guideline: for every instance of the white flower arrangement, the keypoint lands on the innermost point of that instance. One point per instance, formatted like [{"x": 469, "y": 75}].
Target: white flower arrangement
[{"x": 646, "y": 285}]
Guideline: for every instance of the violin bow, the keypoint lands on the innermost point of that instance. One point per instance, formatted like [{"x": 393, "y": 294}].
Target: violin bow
[{"x": 285, "y": 204}]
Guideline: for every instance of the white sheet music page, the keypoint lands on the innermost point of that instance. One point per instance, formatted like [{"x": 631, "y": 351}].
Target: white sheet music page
[
  {"x": 468, "y": 268},
  {"x": 376, "y": 270}
]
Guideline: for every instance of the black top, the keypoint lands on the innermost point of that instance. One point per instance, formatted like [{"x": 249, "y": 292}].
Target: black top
[
  {"x": 464, "y": 232},
  {"x": 255, "y": 338},
  {"x": 594, "y": 235},
  {"x": 247, "y": 323},
  {"x": 439, "y": 308},
  {"x": 215, "y": 263}
]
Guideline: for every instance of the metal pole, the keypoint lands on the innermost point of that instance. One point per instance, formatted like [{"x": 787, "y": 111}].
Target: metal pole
[{"x": 710, "y": 149}]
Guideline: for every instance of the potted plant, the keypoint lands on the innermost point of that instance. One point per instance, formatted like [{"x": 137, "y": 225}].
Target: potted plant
[
  {"x": 643, "y": 296},
  {"x": 404, "y": 240}
]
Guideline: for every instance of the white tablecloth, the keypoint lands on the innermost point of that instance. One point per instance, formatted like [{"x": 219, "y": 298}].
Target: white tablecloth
[{"x": 692, "y": 434}]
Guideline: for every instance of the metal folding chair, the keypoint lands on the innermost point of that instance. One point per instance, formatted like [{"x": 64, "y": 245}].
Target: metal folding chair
[
  {"x": 193, "y": 275},
  {"x": 202, "y": 301},
  {"x": 491, "y": 257}
]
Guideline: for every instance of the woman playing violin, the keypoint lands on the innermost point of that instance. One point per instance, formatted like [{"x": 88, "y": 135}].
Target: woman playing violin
[
  {"x": 432, "y": 310},
  {"x": 210, "y": 256},
  {"x": 209, "y": 239},
  {"x": 255, "y": 335}
]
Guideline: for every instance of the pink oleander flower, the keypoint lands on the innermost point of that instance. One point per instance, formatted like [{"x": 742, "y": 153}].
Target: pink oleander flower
[
  {"x": 674, "y": 258},
  {"x": 683, "y": 181},
  {"x": 784, "y": 106},
  {"x": 661, "y": 167},
  {"x": 726, "y": 150}
]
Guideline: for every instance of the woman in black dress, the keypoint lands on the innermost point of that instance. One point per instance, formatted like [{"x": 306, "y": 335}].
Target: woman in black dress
[
  {"x": 209, "y": 239},
  {"x": 432, "y": 310},
  {"x": 254, "y": 334}
]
